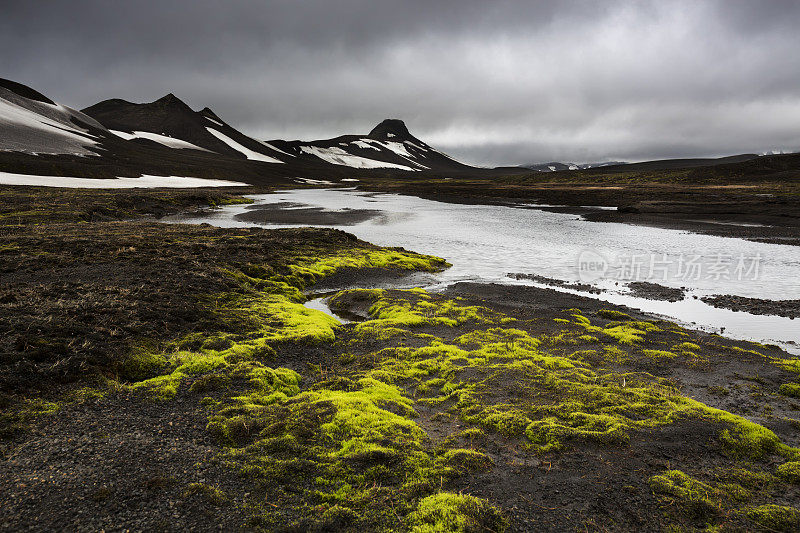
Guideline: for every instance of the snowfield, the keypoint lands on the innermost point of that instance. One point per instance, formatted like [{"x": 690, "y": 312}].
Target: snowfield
[
  {"x": 170, "y": 142},
  {"x": 26, "y": 129},
  {"x": 393, "y": 146},
  {"x": 247, "y": 152},
  {"x": 145, "y": 182},
  {"x": 365, "y": 143},
  {"x": 337, "y": 156},
  {"x": 268, "y": 145}
]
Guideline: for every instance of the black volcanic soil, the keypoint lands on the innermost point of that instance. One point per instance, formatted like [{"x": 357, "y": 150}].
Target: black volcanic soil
[
  {"x": 318, "y": 216},
  {"x": 654, "y": 291},
  {"x": 585, "y": 287},
  {"x": 756, "y": 306}
]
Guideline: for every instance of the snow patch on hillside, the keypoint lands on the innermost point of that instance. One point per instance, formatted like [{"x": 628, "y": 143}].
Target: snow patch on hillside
[
  {"x": 365, "y": 143},
  {"x": 337, "y": 156},
  {"x": 24, "y": 130},
  {"x": 145, "y": 181},
  {"x": 247, "y": 152},
  {"x": 170, "y": 142},
  {"x": 271, "y": 147}
]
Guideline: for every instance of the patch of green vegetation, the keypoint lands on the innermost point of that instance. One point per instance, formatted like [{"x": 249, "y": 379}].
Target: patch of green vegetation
[
  {"x": 467, "y": 460},
  {"x": 790, "y": 389},
  {"x": 265, "y": 311},
  {"x": 141, "y": 364},
  {"x": 305, "y": 271},
  {"x": 229, "y": 200},
  {"x": 687, "y": 348},
  {"x": 610, "y": 314},
  {"x": 728, "y": 496},
  {"x": 446, "y": 512},
  {"x": 775, "y": 517},
  {"x": 181, "y": 366},
  {"x": 629, "y": 332},
  {"x": 210, "y": 494},
  {"x": 414, "y": 309},
  {"x": 699, "y": 498},
  {"x": 350, "y": 447},
  {"x": 16, "y": 418},
  {"x": 792, "y": 365},
  {"x": 658, "y": 355},
  {"x": 789, "y": 471},
  {"x": 563, "y": 399}
]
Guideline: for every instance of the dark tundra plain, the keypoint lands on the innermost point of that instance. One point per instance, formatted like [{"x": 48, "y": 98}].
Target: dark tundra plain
[{"x": 169, "y": 377}]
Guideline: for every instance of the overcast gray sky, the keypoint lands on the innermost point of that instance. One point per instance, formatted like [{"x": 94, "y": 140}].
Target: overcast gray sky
[{"x": 490, "y": 82}]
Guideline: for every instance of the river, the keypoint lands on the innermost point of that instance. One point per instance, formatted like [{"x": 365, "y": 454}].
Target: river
[{"x": 487, "y": 243}]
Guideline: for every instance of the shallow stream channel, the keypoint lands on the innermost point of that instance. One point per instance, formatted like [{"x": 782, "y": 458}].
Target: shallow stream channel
[{"x": 524, "y": 245}]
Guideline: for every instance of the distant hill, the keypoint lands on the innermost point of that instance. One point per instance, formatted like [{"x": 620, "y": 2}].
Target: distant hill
[{"x": 557, "y": 167}]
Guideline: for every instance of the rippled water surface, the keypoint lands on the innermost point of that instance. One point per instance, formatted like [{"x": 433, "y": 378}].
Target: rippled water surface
[{"x": 486, "y": 243}]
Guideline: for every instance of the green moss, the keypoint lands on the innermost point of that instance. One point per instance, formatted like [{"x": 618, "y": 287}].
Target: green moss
[
  {"x": 161, "y": 388},
  {"x": 658, "y": 355},
  {"x": 182, "y": 365},
  {"x": 629, "y": 332},
  {"x": 231, "y": 200},
  {"x": 307, "y": 271},
  {"x": 210, "y": 382},
  {"x": 615, "y": 355},
  {"x": 467, "y": 460},
  {"x": 792, "y": 365},
  {"x": 572, "y": 401},
  {"x": 17, "y": 417},
  {"x": 790, "y": 389},
  {"x": 141, "y": 364},
  {"x": 610, "y": 314},
  {"x": 699, "y": 498},
  {"x": 789, "y": 471},
  {"x": 775, "y": 517},
  {"x": 689, "y": 347},
  {"x": 413, "y": 308},
  {"x": 210, "y": 494},
  {"x": 446, "y": 512},
  {"x": 746, "y": 478}
]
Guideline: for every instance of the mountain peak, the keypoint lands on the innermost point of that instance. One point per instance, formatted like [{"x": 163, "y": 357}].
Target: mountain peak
[
  {"x": 391, "y": 128},
  {"x": 171, "y": 100},
  {"x": 208, "y": 112}
]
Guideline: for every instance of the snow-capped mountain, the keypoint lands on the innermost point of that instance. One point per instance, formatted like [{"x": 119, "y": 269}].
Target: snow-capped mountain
[
  {"x": 388, "y": 145},
  {"x": 171, "y": 122},
  {"x": 167, "y": 137},
  {"x": 32, "y": 123}
]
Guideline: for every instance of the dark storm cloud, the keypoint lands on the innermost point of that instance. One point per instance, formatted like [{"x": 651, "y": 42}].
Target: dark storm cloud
[{"x": 490, "y": 82}]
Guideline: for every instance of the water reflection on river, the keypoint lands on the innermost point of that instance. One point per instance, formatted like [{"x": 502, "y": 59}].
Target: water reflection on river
[{"x": 486, "y": 243}]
